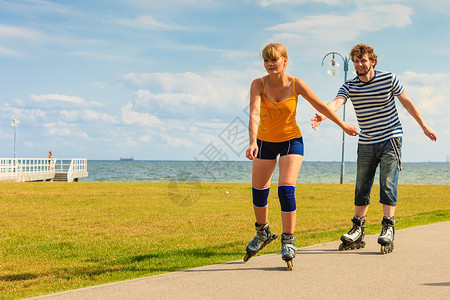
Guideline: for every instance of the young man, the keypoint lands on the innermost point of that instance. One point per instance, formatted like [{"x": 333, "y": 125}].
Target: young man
[{"x": 372, "y": 94}]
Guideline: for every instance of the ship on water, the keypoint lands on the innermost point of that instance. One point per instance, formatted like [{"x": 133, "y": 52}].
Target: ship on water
[{"x": 127, "y": 159}]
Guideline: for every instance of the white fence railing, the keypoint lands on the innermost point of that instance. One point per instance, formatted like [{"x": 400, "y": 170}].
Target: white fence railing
[
  {"x": 37, "y": 169},
  {"x": 75, "y": 168}
]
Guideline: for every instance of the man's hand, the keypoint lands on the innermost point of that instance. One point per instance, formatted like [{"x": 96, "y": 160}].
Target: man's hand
[{"x": 430, "y": 133}]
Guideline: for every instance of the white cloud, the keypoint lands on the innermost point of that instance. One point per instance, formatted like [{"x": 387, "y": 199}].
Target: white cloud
[
  {"x": 96, "y": 56},
  {"x": 170, "y": 102},
  {"x": 265, "y": 3},
  {"x": 341, "y": 28},
  {"x": 167, "y": 81},
  {"x": 98, "y": 85},
  {"x": 92, "y": 115},
  {"x": 171, "y": 6},
  {"x": 59, "y": 98},
  {"x": 212, "y": 125},
  {"x": 54, "y": 35},
  {"x": 145, "y": 138},
  {"x": 10, "y": 53},
  {"x": 218, "y": 93},
  {"x": 130, "y": 117},
  {"x": 227, "y": 54},
  {"x": 25, "y": 115},
  {"x": 149, "y": 22},
  {"x": 234, "y": 55},
  {"x": 296, "y": 2},
  {"x": 177, "y": 141},
  {"x": 429, "y": 92},
  {"x": 34, "y": 6},
  {"x": 87, "y": 115},
  {"x": 68, "y": 115},
  {"x": 18, "y": 32},
  {"x": 62, "y": 129}
]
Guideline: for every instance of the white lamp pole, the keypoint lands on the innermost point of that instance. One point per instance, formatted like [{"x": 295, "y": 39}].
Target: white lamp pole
[
  {"x": 15, "y": 122},
  {"x": 333, "y": 69}
]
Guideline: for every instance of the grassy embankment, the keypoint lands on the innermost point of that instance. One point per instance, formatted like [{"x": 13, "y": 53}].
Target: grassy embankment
[{"x": 61, "y": 236}]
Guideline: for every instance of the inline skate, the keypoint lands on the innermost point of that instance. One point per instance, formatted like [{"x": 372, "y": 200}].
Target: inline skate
[
  {"x": 262, "y": 238},
  {"x": 288, "y": 249},
  {"x": 386, "y": 238},
  {"x": 354, "y": 238}
]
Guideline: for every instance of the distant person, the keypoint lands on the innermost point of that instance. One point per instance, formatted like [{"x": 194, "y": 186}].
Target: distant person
[
  {"x": 50, "y": 160},
  {"x": 273, "y": 131},
  {"x": 372, "y": 94}
]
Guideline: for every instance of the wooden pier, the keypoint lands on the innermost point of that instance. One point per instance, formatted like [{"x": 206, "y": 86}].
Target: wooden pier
[{"x": 42, "y": 169}]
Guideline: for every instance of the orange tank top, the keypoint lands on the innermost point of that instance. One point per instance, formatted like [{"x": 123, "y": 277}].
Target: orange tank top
[{"x": 277, "y": 119}]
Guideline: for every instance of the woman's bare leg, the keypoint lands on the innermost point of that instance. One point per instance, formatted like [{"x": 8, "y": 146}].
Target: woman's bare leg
[{"x": 261, "y": 176}]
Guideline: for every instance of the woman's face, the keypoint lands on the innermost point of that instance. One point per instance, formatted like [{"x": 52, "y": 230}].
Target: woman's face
[{"x": 275, "y": 65}]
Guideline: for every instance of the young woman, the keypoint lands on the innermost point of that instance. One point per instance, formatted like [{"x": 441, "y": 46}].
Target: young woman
[{"x": 273, "y": 131}]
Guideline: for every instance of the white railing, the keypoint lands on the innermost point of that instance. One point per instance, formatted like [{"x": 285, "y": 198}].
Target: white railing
[
  {"x": 37, "y": 169},
  {"x": 25, "y": 169},
  {"x": 75, "y": 168}
]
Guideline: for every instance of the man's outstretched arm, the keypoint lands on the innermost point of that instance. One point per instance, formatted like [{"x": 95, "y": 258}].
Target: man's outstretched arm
[{"x": 414, "y": 112}]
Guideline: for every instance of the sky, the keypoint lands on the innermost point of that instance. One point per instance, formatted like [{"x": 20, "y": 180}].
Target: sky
[{"x": 169, "y": 80}]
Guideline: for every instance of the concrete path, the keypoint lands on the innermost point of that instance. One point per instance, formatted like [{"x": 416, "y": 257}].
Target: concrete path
[{"x": 419, "y": 268}]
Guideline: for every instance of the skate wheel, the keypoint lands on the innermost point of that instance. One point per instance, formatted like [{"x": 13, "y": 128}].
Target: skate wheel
[
  {"x": 290, "y": 265},
  {"x": 341, "y": 247},
  {"x": 385, "y": 249},
  {"x": 246, "y": 257}
]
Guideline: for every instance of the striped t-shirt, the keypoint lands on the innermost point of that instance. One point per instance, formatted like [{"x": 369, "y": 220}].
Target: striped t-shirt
[{"x": 374, "y": 105}]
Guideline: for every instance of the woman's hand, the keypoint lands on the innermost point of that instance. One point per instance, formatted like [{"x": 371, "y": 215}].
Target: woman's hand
[
  {"x": 317, "y": 120},
  {"x": 350, "y": 129},
  {"x": 252, "y": 151}
]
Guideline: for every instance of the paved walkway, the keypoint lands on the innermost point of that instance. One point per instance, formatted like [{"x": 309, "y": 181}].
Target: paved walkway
[{"x": 419, "y": 268}]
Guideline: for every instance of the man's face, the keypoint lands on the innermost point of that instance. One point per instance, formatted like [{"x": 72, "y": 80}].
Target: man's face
[{"x": 363, "y": 65}]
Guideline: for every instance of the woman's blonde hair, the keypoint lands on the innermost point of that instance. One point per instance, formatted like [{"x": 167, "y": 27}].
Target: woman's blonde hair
[{"x": 274, "y": 51}]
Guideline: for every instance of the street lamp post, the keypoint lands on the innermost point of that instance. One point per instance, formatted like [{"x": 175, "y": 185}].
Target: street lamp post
[
  {"x": 333, "y": 69},
  {"x": 15, "y": 122}
]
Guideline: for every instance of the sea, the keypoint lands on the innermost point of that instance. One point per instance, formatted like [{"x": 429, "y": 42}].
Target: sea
[{"x": 241, "y": 171}]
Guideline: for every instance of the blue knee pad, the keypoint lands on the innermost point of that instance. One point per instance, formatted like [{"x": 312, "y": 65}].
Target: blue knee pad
[
  {"x": 286, "y": 194},
  {"x": 260, "y": 197}
]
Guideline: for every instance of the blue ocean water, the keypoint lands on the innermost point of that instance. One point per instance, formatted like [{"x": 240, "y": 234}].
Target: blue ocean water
[{"x": 240, "y": 171}]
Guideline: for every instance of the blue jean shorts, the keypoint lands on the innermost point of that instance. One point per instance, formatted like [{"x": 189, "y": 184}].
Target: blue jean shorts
[
  {"x": 387, "y": 155},
  {"x": 268, "y": 150}
]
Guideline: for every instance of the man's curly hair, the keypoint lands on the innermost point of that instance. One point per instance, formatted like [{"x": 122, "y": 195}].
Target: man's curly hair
[{"x": 361, "y": 49}]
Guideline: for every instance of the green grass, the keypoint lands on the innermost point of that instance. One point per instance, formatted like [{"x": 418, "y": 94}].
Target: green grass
[{"x": 62, "y": 236}]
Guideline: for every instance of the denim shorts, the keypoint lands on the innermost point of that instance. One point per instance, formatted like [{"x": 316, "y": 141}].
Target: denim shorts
[
  {"x": 268, "y": 150},
  {"x": 387, "y": 154}
]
